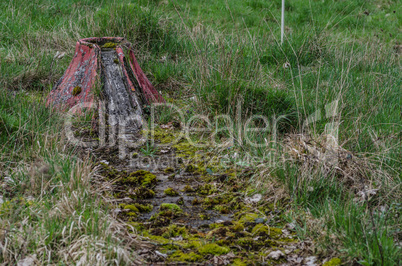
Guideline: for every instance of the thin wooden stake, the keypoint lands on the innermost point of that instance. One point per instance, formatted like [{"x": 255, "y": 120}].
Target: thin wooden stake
[{"x": 283, "y": 21}]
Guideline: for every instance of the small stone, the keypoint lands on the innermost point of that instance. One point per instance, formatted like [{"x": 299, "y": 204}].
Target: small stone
[
  {"x": 116, "y": 211},
  {"x": 161, "y": 254},
  {"x": 30, "y": 198},
  {"x": 276, "y": 255},
  {"x": 259, "y": 220},
  {"x": 253, "y": 199},
  {"x": 27, "y": 261},
  {"x": 177, "y": 238},
  {"x": 59, "y": 55},
  {"x": 295, "y": 259},
  {"x": 310, "y": 261},
  {"x": 291, "y": 226},
  {"x": 8, "y": 179}
]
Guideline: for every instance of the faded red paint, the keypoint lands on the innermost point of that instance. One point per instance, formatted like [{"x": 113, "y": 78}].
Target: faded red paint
[
  {"x": 149, "y": 91},
  {"x": 84, "y": 71}
]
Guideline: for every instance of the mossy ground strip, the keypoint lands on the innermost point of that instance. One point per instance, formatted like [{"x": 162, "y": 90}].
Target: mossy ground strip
[{"x": 192, "y": 215}]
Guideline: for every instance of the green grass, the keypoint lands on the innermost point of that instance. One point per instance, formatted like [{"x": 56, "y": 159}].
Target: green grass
[
  {"x": 225, "y": 52},
  {"x": 50, "y": 211}
]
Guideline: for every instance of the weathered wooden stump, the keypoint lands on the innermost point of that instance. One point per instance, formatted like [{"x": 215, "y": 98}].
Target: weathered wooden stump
[{"x": 106, "y": 66}]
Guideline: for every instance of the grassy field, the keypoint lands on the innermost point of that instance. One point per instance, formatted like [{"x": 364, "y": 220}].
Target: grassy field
[{"x": 211, "y": 57}]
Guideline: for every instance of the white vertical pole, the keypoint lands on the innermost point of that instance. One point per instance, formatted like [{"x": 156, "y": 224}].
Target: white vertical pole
[{"x": 282, "y": 21}]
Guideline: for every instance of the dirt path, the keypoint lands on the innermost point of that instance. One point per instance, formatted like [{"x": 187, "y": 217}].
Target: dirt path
[{"x": 195, "y": 211}]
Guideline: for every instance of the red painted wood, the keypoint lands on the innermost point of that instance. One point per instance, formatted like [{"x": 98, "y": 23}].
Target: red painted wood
[
  {"x": 84, "y": 72},
  {"x": 150, "y": 93}
]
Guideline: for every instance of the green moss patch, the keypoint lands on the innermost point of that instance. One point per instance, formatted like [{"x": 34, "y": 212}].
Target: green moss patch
[
  {"x": 171, "y": 192},
  {"x": 77, "y": 90},
  {"x": 187, "y": 257},
  {"x": 220, "y": 232},
  {"x": 169, "y": 170},
  {"x": 237, "y": 227},
  {"x": 174, "y": 230},
  {"x": 333, "y": 262},
  {"x": 213, "y": 249},
  {"x": 140, "y": 177},
  {"x": 266, "y": 231},
  {"x": 248, "y": 218},
  {"x": 206, "y": 189},
  {"x": 172, "y": 226},
  {"x": 171, "y": 207},
  {"x": 142, "y": 193},
  {"x": 188, "y": 189},
  {"x": 129, "y": 207},
  {"x": 110, "y": 45}
]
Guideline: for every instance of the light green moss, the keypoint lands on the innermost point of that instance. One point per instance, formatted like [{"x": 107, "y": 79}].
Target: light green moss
[
  {"x": 333, "y": 262},
  {"x": 193, "y": 243},
  {"x": 264, "y": 230},
  {"x": 140, "y": 177},
  {"x": 132, "y": 214},
  {"x": 185, "y": 149},
  {"x": 109, "y": 45},
  {"x": 159, "y": 239},
  {"x": 143, "y": 207},
  {"x": 206, "y": 189},
  {"x": 130, "y": 207},
  {"x": 213, "y": 249},
  {"x": 221, "y": 232},
  {"x": 189, "y": 257},
  {"x": 222, "y": 209},
  {"x": 174, "y": 230},
  {"x": 171, "y": 192},
  {"x": 248, "y": 218},
  {"x": 237, "y": 227},
  {"x": 161, "y": 135},
  {"x": 170, "y": 206},
  {"x": 246, "y": 242},
  {"x": 216, "y": 225},
  {"x": 239, "y": 262},
  {"x": 203, "y": 216}
]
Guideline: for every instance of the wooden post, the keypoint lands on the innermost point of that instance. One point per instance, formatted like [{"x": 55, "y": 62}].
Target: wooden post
[{"x": 283, "y": 21}]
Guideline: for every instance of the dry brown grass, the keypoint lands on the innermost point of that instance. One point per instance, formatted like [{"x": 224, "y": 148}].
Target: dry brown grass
[{"x": 55, "y": 219}]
